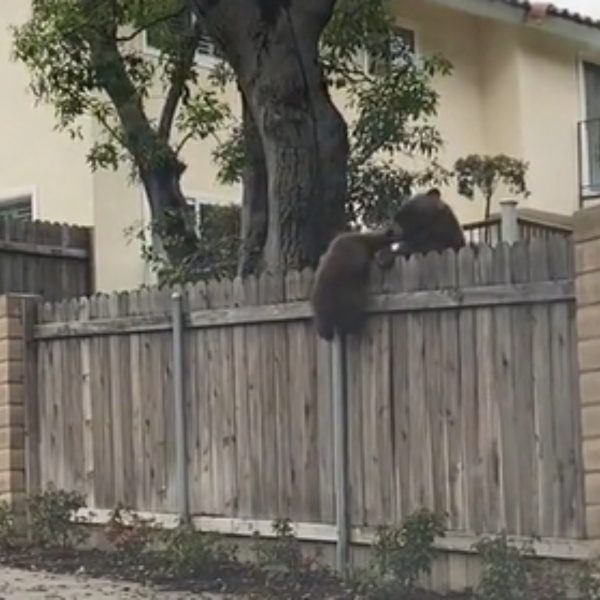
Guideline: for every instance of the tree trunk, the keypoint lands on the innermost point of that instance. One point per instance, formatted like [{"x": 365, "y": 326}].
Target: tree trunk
[
  {"x": 158, "y": 165},
  {"x": 273, "y": 49},
  {"x": 255, "y": 212},
  {"x": 174, "y": 233}
]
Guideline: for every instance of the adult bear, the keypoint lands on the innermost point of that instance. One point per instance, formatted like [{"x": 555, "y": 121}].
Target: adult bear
[{"x": 428, "y": 225}]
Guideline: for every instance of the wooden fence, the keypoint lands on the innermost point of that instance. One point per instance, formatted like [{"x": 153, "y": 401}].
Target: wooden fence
[
  {"x": 46, "y": 259},
  {"x": 529, "y": 226},
  {"x": 462, "y": 396}
]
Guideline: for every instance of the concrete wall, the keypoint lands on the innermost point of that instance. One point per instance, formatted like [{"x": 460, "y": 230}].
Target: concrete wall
[{"x": 587, "y": 284}]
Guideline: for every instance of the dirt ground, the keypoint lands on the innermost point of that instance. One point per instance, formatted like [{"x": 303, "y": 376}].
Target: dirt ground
[
  {"x": 97, "y": 575},
  {"x": 17, "y": 584}
]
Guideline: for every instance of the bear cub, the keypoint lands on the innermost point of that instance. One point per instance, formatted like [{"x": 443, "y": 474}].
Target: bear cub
[{"x": 339, "y": 293}]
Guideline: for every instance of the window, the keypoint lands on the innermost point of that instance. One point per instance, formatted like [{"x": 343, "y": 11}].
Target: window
[
  {"x": 378, "y": 59},
  {"x": 159, "y": 36},
  {"x": 213, "y": 215},
  {"x": 18, "y": 208},
  {"x": 591, "y": 129}
]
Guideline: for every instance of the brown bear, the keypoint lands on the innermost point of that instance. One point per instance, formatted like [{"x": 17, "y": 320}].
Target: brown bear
[
  {"x": 429, "y": 225},
  {"x": 339, "y": 293}
]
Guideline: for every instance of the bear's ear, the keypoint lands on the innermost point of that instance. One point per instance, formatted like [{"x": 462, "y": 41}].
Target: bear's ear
[{"x": 435, "y": 193}]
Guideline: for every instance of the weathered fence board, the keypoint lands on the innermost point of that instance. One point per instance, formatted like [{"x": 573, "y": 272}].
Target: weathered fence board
[
  {"x": 462, "y": 396},
  {"x": 46, "y": 259}
]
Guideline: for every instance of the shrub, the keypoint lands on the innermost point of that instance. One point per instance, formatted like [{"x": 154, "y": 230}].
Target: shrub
[
  {"x": 188, "y": 552},
  {"x": 586, "y": 581},
  {"x": 8, "y": 526},
  {"x": 52, "y": 518},
  {"x": 282, "y": 554},
  {"x": 548, "y": 583},
  {"x": 128, "y": 532},
  {"x": 402, "y": 554},
  {"x": 505, "y": 572}
]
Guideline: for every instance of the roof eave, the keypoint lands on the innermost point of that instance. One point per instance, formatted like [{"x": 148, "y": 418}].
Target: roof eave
[{"x": 583, "y": 34}]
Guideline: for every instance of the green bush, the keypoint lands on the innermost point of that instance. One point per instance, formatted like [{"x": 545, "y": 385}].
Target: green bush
[
  {"x": 283, "y": 553},
  {"x": 129, "y": 533},
  {"x": 401, "y": 555},
  {"x": 586, "y": 581},
  {"x": 188, "y": 552},
  {"x": 8, "y": 526},
  {"x": 52, "y": 518},
  {"x": 505, "y": 572}
]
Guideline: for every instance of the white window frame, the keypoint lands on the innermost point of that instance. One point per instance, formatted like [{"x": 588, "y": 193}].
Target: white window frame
[
  {"x": 585, "y": 158},
  {"x": 402, "y": 24},
  {"x": 202, "y": 59},
  {"x": 198, "y": 199},
  {"x": 10, "y": 195}
]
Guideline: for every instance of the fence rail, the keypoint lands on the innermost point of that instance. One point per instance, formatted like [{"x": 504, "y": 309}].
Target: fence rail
[
  {"x": 490, "y": 231},
  {"x": 462, "y": 396}
]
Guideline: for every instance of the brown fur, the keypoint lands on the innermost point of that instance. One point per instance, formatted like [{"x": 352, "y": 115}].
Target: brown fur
[
  {"x": 339, "y": 293},
  {"x": 429, "y": 225}
]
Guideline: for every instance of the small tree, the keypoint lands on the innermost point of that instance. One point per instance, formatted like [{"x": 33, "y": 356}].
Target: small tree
[{"x": 485, "y": 173}]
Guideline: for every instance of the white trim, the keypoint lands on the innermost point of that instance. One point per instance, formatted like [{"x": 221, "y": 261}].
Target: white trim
[
  {"x": 203, "y": 198},
  {"x": 456, "y": 542},
  {"x": 585, "y": 57},
  {"x": 413, "y": 26},
  {"x": 402, "y": 23},
  {"x": 204, "y": 61},
  {"x": 25, "y": 190},
  {"x": 197, "y": 196}
]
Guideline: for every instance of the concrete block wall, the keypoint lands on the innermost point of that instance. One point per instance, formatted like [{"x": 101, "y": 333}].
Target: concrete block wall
[
  {"x": 587, "y": 290},
  {"x": 13, "y": 311}
]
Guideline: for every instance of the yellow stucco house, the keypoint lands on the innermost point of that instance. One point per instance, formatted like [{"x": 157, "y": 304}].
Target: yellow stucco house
[{"x": 526, "y": 82}]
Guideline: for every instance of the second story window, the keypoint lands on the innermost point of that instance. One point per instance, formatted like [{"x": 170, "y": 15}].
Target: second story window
[
  {"x": 590, "y": 131},
  {"x": 160, "y": 36}
]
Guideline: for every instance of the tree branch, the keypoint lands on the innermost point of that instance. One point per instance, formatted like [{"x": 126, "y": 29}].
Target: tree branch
[
  {"x": 151, "y": 23},
  {"x": 140, "y": 139},
  {"x": 179, "y": 77}
]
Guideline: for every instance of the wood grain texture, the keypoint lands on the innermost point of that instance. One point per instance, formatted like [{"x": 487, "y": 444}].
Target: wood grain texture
[{"x": 462, "y": 396}]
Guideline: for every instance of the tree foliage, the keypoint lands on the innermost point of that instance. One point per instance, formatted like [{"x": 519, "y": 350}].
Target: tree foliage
[
  {"x": 486, "y": 173},
  {"x": 86, "y": 60},
  {"x": 215, "y": 255},
  {"x": 392, "y": 108}
]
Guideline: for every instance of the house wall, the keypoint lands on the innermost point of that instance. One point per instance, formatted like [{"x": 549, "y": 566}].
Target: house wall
[
  {"x": 33, "y": 156},
  {"x": 549, "y": 96},
  {"x": 513, "y": 90},
  {"x": 120, "y": 206}
]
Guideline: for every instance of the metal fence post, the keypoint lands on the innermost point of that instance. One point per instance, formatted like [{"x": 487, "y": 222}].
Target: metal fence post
[
  {"x": 340, "y": 452},
  {"x": 179, "y": 399}
]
